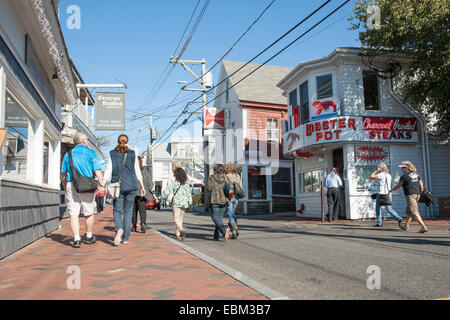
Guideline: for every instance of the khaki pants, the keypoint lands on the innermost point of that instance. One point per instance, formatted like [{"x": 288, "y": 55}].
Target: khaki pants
[
  {"x": 412, "y": 206},
  {"x": 178, "y": 214}
]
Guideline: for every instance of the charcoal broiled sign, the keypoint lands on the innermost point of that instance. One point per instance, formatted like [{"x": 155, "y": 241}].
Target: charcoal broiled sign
[
  {"x": 352, "y": 129},
  {"x": 110, "y": 111}
]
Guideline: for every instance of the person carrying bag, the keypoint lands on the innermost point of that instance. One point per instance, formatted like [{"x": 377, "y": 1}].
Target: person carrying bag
[{"x": 113, "y": 189}]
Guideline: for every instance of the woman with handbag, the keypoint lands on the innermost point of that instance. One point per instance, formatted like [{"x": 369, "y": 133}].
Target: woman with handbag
[
  {"x": 233, "y": 178},
  {"x": 124, "y": 174},
  {"x": 218, "y": 201},
  {"x": 383, "y": 198},
  {"x": 180, "y": 197}
]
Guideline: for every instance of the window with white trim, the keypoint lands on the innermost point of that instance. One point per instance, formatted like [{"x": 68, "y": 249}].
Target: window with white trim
[{"x": 273, "y": 130}]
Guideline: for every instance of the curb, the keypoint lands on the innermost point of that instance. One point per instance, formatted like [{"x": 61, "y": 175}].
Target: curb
[{"x": 249, "y": 282}]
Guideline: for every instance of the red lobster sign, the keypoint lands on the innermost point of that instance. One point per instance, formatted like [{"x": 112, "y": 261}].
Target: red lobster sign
[{"x": 320, "y": 106}]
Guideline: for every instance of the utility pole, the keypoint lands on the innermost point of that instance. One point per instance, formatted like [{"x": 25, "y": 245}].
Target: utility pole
[
  {"x": 152, "y": 136},
  {"x": 204, "y": 89}
]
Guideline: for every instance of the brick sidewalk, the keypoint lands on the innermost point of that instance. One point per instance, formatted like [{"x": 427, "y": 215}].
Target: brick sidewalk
[{"x": 147, "y": 268}]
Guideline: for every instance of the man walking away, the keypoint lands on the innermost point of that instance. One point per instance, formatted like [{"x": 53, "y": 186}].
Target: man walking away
[
  {"x": 85, "y": 161},
  {"x": 412, "y": 188},
  {"x": 333, "y": 182}
]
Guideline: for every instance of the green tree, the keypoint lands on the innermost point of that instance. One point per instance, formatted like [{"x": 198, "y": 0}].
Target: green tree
[{"x": 419, "y": 29}]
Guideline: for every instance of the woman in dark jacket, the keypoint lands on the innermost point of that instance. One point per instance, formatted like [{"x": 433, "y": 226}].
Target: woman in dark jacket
[
  {"x": 218, "y": 202},
  {"x": 128, "y": 172},
  {"x": 140, "y": 203}
]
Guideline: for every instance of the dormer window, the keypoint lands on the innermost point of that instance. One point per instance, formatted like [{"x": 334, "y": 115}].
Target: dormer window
[
  {"x": 324, "y": 86},
  {"x": 371, "y": 91}
]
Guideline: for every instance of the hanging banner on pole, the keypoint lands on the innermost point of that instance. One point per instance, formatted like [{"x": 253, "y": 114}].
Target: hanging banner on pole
[{"x": 110, "y": 111}]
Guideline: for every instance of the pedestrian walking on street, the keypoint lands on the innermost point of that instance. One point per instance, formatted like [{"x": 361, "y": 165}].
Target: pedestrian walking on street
[
  {"x": 140, "y": 203},
  {"x": 123, "y": 166},
  {"x": 218, "y": 201},
  {"x": 81, "y": 161},
  {"x": 333, "y": 182},
  {"x": 234, "y": 179},
  {"x": 383, "y": 197},
  {"x": 412, "y": 187},
  {"x": 181, "y": 198},
  {"x": 99, "y": 199}
]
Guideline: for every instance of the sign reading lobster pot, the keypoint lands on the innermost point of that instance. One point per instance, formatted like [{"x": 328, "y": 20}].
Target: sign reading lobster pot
[{"x": 110, "y": 111}]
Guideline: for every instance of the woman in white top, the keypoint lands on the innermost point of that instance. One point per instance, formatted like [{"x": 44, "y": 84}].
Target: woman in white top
[{"x": 385, "y": 180}]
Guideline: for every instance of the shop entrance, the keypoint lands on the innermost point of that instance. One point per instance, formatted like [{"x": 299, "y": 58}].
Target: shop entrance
[{"x": 338, "y": 162}]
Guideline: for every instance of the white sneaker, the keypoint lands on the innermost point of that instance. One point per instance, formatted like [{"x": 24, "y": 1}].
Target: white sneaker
[{"x": 118, "y": 237}]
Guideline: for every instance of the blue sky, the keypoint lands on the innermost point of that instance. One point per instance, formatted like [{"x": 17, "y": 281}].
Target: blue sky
[{"x": 132, "y": 41}]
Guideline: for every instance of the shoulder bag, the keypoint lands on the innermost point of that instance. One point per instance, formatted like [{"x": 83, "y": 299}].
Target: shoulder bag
[
  {"x": 113, "y": 189},
  {"x": 240, "y": 194},
  {"x": 81, "y": 183},
  {"x": 172, "y": 199},
  {"x": 385, "y": 199},
  {"x": 228, "y": 189}
]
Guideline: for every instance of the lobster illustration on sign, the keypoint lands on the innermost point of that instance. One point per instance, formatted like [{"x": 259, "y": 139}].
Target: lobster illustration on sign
[
  {"x": 320, "y": 107},
  {"x": 294, "y": 137}
]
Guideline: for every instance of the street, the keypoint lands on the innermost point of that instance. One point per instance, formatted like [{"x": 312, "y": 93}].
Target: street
[{"x": 307, "y": 260}]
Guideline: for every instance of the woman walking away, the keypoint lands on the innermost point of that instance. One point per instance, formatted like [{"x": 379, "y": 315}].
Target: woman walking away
[
  {"x": 412, "y": 187},
  {"x": 232, "y": 178},
  {"x": 180, "y": 193},
  {"x": 219, "y": 202},
  {"x": 140, "y": 203},
  {"x": 123, "y": 166},
  {"x": 383, "y": 196}
]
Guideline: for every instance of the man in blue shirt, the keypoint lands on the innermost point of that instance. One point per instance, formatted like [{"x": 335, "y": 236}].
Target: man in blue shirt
[
  {"x": 332, "y": 182},
  {"x": 86, "y": 162}
]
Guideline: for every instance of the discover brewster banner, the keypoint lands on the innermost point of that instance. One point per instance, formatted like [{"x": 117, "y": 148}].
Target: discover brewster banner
[{"x": 110, "y": 111}]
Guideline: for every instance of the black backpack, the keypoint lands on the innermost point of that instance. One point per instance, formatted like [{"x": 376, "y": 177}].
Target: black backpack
[
  {"x": 427, "y": 197},
  {"x": 81, "y": 183}
]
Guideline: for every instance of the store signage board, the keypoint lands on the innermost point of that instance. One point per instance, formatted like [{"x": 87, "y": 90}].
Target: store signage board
[
  {"x": 325, "y": 108},
  {"x": 352, "y": 129},
  {"x": 110, "y": 111},
  {"x": 215, "y": 118},
  {"x": 371, "y": 155}
]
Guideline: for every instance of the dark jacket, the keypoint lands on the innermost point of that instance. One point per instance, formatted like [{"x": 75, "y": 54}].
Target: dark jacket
[
  {"x": 148, "y": 185},
  {"x": 216, "y": 182},
  {"x": 128, "y": 180}
]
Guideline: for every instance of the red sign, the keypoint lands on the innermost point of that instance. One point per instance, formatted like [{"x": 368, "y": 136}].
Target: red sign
[
  {"x": 329, "y": 129},
  {"x": 320, "y": 106},
  {"x": 371, "y": 154},
  {"x": 390, "y": 128},
  {"x": 218, "y": 118}
]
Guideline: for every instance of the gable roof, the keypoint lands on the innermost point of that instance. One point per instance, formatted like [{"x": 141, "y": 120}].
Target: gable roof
[{"x": 261, "y": 86}]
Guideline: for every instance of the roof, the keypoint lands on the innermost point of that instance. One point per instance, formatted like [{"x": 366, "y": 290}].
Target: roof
[
  {"x": 162, "y": 152},
  {"x": 261, "y": 86}
]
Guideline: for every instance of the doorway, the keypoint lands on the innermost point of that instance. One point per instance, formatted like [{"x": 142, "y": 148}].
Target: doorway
[{"x": 338, "y": 162}]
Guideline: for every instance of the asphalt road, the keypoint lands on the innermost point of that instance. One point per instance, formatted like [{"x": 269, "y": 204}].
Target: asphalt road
[{"x": 313, "y": 261}]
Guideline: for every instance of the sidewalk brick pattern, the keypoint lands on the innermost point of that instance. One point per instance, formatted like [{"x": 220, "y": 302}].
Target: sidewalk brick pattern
[{"x": 147, "y": 268}]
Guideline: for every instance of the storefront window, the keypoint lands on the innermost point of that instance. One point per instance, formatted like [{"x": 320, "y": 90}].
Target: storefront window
[
  {"x": 371, "y": 94},
  {"x": 311, "y": 180},
  {"x": 281, "y": 182},
  {"x": 363, "y": 181},
  {"x": 15, "y": 148},
  {"x": 256, "y": 183},
  {"x": 304, "y": 103},
  {"x": 324, "y": 87}
]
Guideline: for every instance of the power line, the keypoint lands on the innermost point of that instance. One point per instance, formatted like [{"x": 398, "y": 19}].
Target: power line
[
  {"x": 274, "y": 56},
  {"x": 271, "y": 45}
]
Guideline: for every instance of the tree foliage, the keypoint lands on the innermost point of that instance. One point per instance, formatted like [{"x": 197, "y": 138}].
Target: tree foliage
[{"x": 420, "y": 29}]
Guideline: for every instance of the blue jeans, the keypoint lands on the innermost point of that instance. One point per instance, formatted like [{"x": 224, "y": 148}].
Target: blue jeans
[
  {"x": 388, "y": 209},
  {"x": 217, "y": 213},
  {"x": 123, "y": 213},
  {"x": 231, "y": 209}
]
